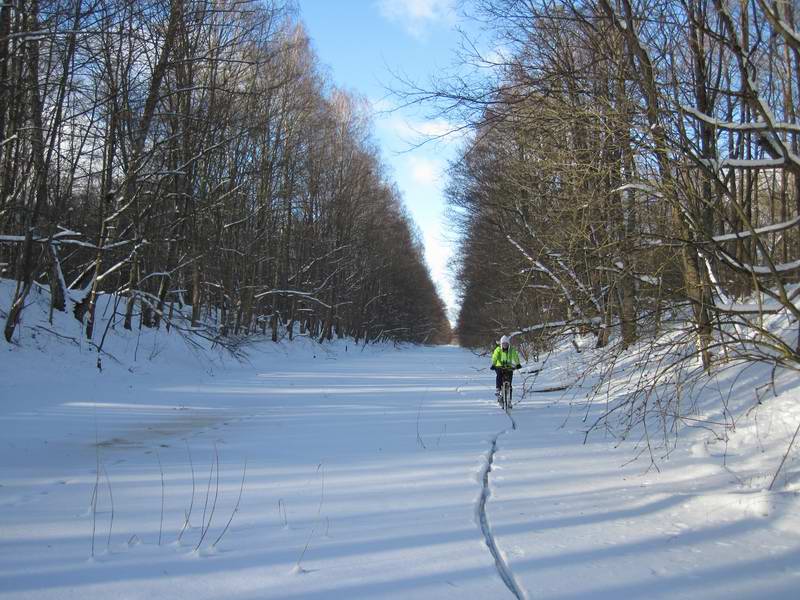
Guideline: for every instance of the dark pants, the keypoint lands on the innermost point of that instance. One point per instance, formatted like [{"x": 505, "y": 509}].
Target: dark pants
[{"x": 499, "y": 379}]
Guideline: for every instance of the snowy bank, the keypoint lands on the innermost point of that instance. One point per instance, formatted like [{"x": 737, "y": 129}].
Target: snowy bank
[{"x": 314, "y": 472}]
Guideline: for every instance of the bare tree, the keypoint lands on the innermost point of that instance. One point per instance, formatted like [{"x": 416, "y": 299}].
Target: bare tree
[{"x": 190, "y": 156}]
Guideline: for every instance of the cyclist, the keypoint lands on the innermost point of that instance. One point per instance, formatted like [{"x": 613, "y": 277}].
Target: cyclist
[{"x": 505, "y": 358}]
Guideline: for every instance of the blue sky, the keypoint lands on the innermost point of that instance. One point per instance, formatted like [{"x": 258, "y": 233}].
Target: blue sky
[{"x": 361, "y": 42}]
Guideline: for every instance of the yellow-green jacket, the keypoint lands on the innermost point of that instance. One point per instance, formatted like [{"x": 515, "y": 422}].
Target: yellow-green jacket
[{"x": 505, "y": 358}]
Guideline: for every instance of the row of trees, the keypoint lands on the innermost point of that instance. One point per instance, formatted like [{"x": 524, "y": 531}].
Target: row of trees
[
  {"x": 634, "y": 163},
  {"x": 190, "y": 153}
]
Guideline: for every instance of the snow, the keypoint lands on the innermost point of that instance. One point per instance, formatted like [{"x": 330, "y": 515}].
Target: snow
[
  {"x": 649, "y": 279},
  {"x": 538, "y": 266},
  {"x": 582, "y": 526},
  {"x": 774, "y": 228},
  {"x": 58, "y": 241},
  {"x": 759, "y": 269},
  {"x": 369, "y": 463},
  {"x": 643, "y": 187},
  {"x": 749, "y": 126},
  {"x": 742, "y": 163}
]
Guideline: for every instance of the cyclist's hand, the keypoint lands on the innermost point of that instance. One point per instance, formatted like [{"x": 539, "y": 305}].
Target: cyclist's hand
[
  {"x": 492, "y": 368},
  {"x": 518, "y": 367}
]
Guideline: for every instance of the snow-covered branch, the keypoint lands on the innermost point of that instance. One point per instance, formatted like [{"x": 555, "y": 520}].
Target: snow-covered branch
[
  {"x": 556, "y": 325},
  {"x": 757, "y": 126},
  {"x": 306, "y": 295},
  {"x": 767, "y": 229}
]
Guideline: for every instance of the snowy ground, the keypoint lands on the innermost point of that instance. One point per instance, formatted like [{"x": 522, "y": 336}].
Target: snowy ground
[{"x": 364, "y": 479}]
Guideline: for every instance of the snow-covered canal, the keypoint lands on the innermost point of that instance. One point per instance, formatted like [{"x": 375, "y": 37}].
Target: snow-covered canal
[{"x": 365, "y": 474}]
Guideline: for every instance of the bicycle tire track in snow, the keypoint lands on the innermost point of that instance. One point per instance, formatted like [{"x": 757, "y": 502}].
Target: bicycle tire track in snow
[{"x": 501, "y": 564}]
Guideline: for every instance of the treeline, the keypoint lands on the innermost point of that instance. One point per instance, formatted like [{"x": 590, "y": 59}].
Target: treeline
[
  {"x": 634, "y": 165},
  {"x": 190, "y": 154}
]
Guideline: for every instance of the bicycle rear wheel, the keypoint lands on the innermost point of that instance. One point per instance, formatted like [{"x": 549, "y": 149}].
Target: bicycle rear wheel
[{"x": 506, "y": 395}]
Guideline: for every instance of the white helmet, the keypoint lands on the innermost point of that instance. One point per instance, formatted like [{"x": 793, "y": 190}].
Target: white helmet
[{"x": 504, "y": 341}]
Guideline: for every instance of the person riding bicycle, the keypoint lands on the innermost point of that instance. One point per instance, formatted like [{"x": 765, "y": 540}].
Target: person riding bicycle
[{"x": 504, "y": 358}]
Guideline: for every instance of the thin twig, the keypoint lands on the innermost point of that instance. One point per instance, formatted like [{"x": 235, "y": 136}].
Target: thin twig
[
  {"x": 785, "y": 456},
  {"x": 111, "y": 523},
  {"x": 96, "y": 490},
  {"x": 419, "y": 438},
  {"x": 305, "y": 548},
  {"x": 191, "y": 504},
  {"x": 208, "y": 495},
  {"x": 319, "y": 512},
  {"x": 235, "y": 508},
  {"x": 213, "y": 504},
  {"x": 283, "y": 515},
  {"x": 322, "y": 491}
]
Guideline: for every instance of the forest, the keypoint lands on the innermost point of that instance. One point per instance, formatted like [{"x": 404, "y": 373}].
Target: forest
[
  {"x": 191, "y": 158},
  {"x": 228, "y": 371},
  {"x": 634, "y": 168}
]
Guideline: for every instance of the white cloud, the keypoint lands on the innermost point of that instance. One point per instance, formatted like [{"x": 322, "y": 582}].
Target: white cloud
[
  {"x": 426, "y": 172},
  {"x": 397, "y": 126},
  {"x": 434, "y": 127},
  {"x": 404, "y": 133},
  {"x": 499, "y": 55},
  {"x": 417, "y": 15},
  {"x": 382, "y": 105}
]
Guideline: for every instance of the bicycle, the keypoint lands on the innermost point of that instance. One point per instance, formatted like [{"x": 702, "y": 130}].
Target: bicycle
[{"x": 506, "y": 390}]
